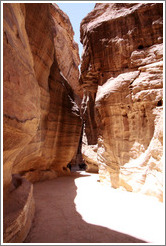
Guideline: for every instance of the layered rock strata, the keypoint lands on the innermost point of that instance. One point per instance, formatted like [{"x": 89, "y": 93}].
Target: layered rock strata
[
  {"x": 19, "y": 211},
  {"x": 122, "y": 79},
  {"x": 41, "y": 123},
  {"x": 41, "y": 120}
]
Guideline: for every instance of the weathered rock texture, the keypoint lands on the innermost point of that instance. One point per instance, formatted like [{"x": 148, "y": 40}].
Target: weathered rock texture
[
  {"x": 121, "y": 75},
  {"x": 19, "y": 211},
  {"x": 42, "y": 125}
]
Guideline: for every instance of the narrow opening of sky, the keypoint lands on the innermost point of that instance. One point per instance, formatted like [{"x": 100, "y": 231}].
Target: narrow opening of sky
[{"x": 76, "y": 12}]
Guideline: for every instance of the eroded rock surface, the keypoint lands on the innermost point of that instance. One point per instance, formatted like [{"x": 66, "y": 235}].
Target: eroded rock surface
[
  {"x": 42, "y": 123},
  {"x": 122, "y": 79},
  {"x": 18, "y": 210},
  {"x": 41, "y": 119}
]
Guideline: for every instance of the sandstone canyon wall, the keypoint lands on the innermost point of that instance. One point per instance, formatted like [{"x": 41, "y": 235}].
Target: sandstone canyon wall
[
  {"x": 41, "y": 123},
  {"x": 122, "y": 107}
]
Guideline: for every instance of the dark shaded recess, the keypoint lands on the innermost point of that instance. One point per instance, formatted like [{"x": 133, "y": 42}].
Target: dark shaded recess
[
  {"x": 140, "y": 47},
  {"x": 57, "y": 80},
  {"x": 159, "y": 103},
  {"x": 79, "y": 159},
  {"x": 55, "y": 75},
  {"x": 82, "y": 164},
  {"x": 65, "y": 168},
  {"x": 125, "y": 115},
  {"x": 16, "y": 180},
  {"x": 69, "y": 166},
  {"x": 90, "y": 121}
]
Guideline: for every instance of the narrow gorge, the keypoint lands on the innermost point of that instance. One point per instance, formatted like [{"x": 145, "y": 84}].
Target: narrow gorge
[{"x": 108, "y": 115}]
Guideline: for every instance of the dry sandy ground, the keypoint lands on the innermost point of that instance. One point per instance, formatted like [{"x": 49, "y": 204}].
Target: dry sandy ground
[{"x": 78, "y": 209}]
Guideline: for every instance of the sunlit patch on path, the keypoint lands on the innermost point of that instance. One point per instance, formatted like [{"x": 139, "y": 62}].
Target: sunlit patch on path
[{"x": 78, "y": 209}]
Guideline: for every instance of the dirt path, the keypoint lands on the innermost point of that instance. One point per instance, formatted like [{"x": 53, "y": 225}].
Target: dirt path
[{"x": 78, "y": 209}]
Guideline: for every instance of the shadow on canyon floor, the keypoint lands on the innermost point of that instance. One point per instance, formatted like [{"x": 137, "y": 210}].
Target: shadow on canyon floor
[{"x": 57, "y": 221}]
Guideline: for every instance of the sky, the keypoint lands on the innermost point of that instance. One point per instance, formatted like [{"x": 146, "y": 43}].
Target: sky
[{"x": 76, "y": 12}]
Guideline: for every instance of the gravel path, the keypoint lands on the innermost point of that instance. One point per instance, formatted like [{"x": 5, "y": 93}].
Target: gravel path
[{"x": 78, "y": 209}]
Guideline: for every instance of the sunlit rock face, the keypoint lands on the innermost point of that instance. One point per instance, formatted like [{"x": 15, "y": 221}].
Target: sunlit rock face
[
  {"x": 42, "y": 124},
  {"x": 122, "y": 79}
]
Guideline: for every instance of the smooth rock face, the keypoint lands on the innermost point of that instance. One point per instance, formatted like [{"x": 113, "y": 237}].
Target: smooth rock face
[
  {"x": 41, "y": 120},
  {"x": 21, "y": 93},
  {"x": 42, "y": 123},
  {"x": 122, "y": 78}
]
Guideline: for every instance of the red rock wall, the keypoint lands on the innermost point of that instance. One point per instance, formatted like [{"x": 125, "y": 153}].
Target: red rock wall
[
  {"x": 41, "y": 120},
  {"x": 121, "y": 74},
  {"x": 41, "y": 123},
  {"x": 21, "y": 93},
  {"x": 19, "y": 211}
]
